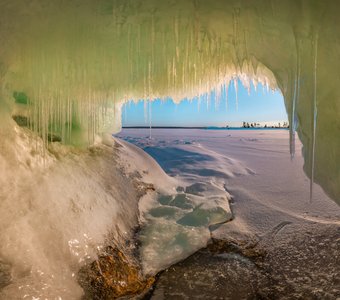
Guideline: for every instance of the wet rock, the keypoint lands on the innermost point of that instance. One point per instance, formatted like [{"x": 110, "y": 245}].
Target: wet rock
[
  {"x": 112, "y": 276},
  {"x": 295, "y": 263},
  {"x": 250, "y": 249},
  {"x": 142, "y": 188},
  {"x": 208, "y": 275}
]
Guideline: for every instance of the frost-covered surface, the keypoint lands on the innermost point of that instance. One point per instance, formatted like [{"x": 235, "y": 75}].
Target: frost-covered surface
[
  {"x": 58, "y": 208},
  {"x": 61, "y": 205},
  {"x": 177, "y": 219},
  {"x": 253, "y": 165},
  {"x": 294, "y": 263},
  {"x": 272, "y": 211},
  {"x": 69, "y": 66}
]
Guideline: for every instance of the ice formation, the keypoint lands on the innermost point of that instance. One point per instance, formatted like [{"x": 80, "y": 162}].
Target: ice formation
[
  {"x": 68, "y": 66},
  {"x": 57, "y": 210}
]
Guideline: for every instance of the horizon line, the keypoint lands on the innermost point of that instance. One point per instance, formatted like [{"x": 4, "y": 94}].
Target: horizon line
[{"x": 202, "y": 127}]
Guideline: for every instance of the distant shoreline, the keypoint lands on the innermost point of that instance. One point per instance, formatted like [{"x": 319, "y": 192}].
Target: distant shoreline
[{"x": 204, "y": 128}]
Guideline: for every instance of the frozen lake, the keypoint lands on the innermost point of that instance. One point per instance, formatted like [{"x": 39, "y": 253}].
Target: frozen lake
[{"x": 269, "y": 198}]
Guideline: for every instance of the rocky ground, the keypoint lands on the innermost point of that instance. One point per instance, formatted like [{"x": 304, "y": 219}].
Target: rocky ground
[{"x": 286, "y": 264}]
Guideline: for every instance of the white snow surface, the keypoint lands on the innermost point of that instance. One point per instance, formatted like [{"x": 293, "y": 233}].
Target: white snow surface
[
  {"x": 253, "y": 166},
  {"x": 176, "y": 221},
  {"x": 59, "y": 207}
]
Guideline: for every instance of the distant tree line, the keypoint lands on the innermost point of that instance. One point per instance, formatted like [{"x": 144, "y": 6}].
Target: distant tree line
[{"x": 257, "y": 125}]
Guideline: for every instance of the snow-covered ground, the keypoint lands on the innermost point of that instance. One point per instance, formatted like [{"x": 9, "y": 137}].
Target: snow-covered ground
[
  {"x": 60, "y": 207},
  {"x": 176, "y": 218},
  {"x": 58, "y": 211},
  {"x": 252, "y": 168}
]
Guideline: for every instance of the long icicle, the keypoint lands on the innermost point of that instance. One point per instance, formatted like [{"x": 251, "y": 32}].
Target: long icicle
[
  {"x": 293, "y": 124},
  {"x": 226, "y": 88},
  {"x": 236, "y": 91},
  {"x": 150, "y": 95},
  {"x": 150, "y": 124},
  {"x": 315, "y": 113}
]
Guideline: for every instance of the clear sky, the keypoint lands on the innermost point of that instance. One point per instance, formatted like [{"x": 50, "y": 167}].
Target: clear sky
[{"x": 259, "y": 106}]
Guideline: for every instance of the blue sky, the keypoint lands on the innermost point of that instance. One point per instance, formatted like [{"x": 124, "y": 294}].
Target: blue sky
[{"x": 259, "y": 106}]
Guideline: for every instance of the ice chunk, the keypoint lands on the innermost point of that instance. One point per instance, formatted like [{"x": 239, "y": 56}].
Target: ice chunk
[{"x": 205, "y": 217}]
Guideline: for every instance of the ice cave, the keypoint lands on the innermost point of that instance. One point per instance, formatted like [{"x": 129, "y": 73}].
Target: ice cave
[{"x": 67, "y": 68}]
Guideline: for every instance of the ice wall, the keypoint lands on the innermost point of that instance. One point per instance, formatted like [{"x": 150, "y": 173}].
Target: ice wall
[{"x": 68, "y": 65}]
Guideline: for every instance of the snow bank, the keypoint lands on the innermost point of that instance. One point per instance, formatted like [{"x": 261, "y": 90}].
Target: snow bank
[{"x": 58, "y": 208}]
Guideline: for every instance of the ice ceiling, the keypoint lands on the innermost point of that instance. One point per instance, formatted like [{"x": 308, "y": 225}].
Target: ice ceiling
[{"x": 66, "y": 67}]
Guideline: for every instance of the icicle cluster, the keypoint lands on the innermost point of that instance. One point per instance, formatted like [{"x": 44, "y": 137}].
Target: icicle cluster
[{"x": 68, "y": 66}]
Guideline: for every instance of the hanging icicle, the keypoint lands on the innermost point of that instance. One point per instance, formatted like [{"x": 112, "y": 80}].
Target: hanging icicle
[
  {"x": 150, "y": 120},
  {"x": 293, "y": 122},
  {"x": 315, "y": 111},
  {"x": 236, "y": 91}
]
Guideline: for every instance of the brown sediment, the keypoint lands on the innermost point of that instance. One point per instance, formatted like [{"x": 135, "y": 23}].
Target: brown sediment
[
  {"x": 113, "y": 275},
  {"x": 22, "y": 121},
  {"x": 142, "y": 188}
]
